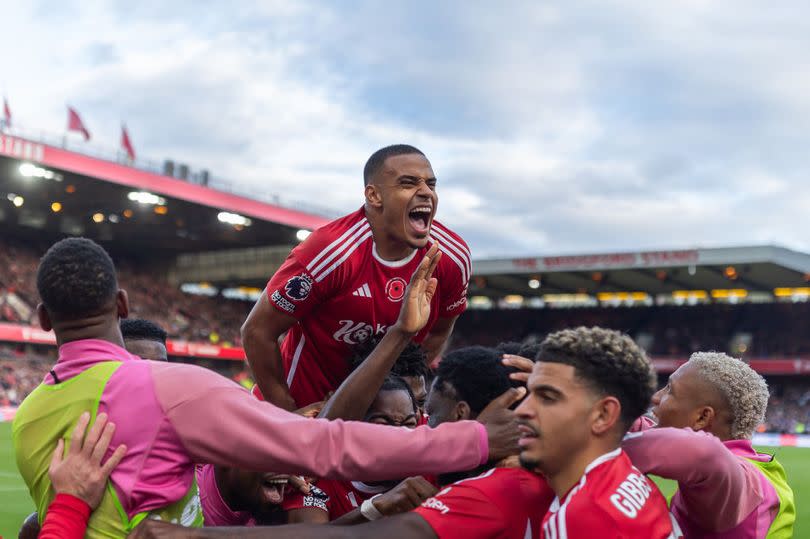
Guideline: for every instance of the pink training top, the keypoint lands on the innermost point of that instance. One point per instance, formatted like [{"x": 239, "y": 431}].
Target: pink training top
[
  {"x": 172, "y": 415},
  {"x": 720, "y": 494}
]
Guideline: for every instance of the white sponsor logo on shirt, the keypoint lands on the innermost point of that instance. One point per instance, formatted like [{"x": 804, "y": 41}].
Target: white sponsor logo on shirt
[
  {"x": 282, "y": 302},
  {"x": 352, "y": 332},
  {"x": 459, "y": 303},
  {"x": 363, "y": 291},
  {"x": 438, "y": 505}
]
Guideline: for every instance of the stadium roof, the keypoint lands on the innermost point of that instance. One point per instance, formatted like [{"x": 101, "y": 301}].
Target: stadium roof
[
  {"x": 755, "y": 268},
  {"x": 84, "y": 186}
]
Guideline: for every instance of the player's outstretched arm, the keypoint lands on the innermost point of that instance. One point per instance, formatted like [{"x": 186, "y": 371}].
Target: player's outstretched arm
[
  {"x": 217, "y": 422},
  {"x": 719, "y": 488},
  {"x": 405, "y": 525},
  {"x": 260, "y": 334},
  {"x": 354, "y": 396}
]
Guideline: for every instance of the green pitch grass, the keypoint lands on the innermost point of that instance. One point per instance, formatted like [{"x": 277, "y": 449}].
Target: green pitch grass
[{"x": 15, "y": 503}]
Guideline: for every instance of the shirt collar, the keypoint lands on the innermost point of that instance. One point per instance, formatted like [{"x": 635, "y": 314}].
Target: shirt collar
[
  {"x": 93, "y": 350},
  {"x": 745, "y": 449},
  {"x": 77, "y": 356}
]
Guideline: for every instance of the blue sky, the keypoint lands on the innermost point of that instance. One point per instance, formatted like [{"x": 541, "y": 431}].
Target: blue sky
[{"x": 552, "y": 127}]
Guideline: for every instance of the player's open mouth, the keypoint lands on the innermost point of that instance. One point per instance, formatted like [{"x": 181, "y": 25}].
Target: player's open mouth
[
  {"x": 527, "y": 434},
  {"x": 273, "y": 490},
  {"x": 420, "y": 218}
]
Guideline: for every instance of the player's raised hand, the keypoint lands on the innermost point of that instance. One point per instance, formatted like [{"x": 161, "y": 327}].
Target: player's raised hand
[
  {"x": 415, "y": 310},
  {"x": 501, "y": 424}
]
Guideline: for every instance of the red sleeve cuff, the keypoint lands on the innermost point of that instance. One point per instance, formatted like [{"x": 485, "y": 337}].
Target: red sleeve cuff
[
  {"x": 66, "y": 518},
  {"x": 68, "y": 501}
]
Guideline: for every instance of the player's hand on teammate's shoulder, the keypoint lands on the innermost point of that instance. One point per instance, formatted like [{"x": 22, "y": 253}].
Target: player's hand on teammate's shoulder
[
  {"x": 406, "y": 496},
  {"x": 501, "y": 424},
  {"x": 415, "y": 311},
  {"x": 80, "y": 472}
]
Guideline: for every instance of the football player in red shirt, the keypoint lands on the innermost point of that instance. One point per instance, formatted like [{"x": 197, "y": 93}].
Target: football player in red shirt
[
  {"x": 345, "y": 282},
  {"x": 587, "y": 387}
]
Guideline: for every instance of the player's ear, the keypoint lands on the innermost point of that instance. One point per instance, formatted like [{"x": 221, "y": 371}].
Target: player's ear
[
  {"x": 44, "y": 318},
  {"x": 373, "y": 195},
  {"x": 606, "y": 413},
  {"x": 463, "y": 411},
  {"x": 705, "y": 416},
  {"x": 122, "y": 303}
]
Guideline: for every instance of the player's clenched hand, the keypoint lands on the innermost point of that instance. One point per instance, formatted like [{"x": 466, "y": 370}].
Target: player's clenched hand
[
  {"x": 522, "y": 364},
  {"x": 501, "y": 424},
  {"x": 156, "y": 529},
  {"x": 81, "y": 473},
  {"x": 415, "y": 310},
  {"x": 406, "y": 496}
]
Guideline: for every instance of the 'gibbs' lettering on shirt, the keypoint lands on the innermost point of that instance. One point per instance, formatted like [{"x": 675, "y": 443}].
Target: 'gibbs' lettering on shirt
[{"x": 631, "y": 495}]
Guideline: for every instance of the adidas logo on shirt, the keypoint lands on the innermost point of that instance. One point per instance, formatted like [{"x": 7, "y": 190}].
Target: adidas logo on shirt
[{"x": 363, "y": 291}]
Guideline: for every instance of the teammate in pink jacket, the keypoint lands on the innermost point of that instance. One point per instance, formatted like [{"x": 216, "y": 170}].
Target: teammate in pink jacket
[{"x": 726, "y": 489}]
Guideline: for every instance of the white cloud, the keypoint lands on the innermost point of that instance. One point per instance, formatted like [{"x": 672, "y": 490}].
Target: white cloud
[{"x": 562, "y": 127}]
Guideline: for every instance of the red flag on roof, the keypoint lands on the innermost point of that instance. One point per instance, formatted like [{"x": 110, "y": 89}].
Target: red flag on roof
[
  {"x": 126, "y": 144},
  {"x": 75, "y": 123},
  {"x": 6, "y": 113}
]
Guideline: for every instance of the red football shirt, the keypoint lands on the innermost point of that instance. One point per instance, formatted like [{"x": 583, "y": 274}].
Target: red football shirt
[
  {"x": 342, "y": 293},
  {"x": 502, "y": 503},
  {"x": 344, "y": 497},
  {"x": 612, "y": 500}
]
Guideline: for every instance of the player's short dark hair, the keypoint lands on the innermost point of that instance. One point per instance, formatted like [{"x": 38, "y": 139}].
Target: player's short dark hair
[
  {"x": 509, "y": 347},
  {"x": 476, "y": 374},
  {"x": 395, "y": 383},
  {"x": 609, "y": 362},
  {"x": 529, "y": 350},
  {"x": 377, "y": 159},
  {"x": 76, "y": 278},
  {"x": 411, "y": 362},
  {"x": 136, "y": 329}
]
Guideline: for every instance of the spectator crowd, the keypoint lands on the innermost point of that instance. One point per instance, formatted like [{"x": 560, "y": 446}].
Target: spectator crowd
[{"x": 153, "y": 297}]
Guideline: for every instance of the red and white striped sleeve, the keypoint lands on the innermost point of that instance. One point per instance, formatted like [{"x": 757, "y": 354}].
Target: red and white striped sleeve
[
  {"x": 311, "y": 275},
  {"x": 455, "y": 270}
]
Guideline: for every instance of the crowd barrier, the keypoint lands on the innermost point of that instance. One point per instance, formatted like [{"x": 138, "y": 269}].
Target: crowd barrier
[{"x": 782, "y": 440}]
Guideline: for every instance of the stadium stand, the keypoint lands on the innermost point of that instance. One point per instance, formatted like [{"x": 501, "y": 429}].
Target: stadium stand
[
  {"x": 21, "y": 370},
  {"x": 775, "y": 329},
  {"x": 193, "y": 318}
]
